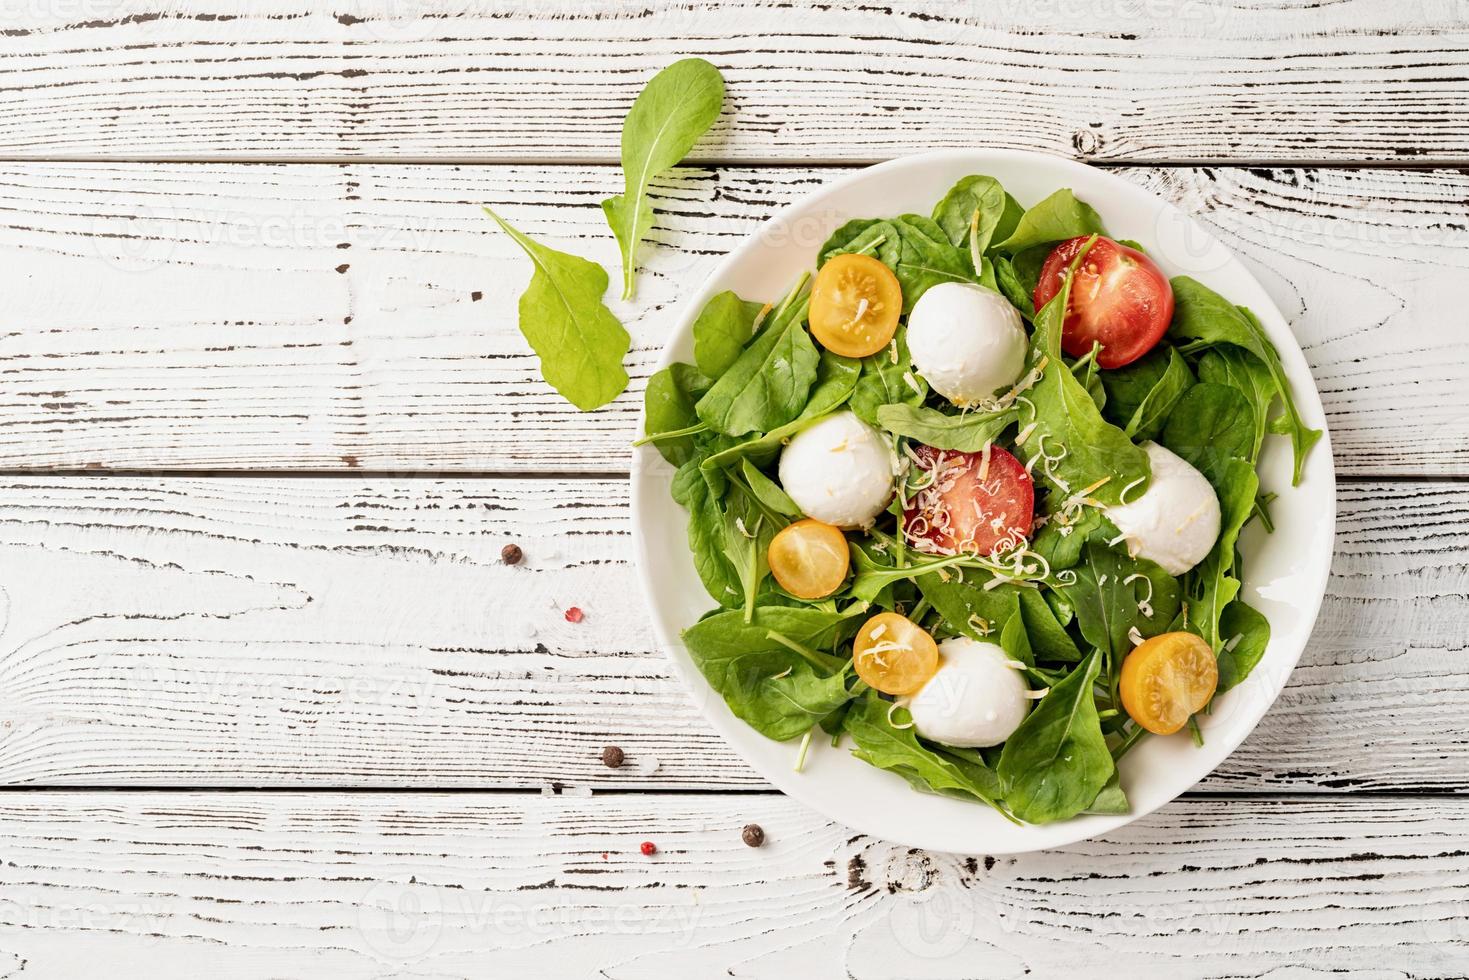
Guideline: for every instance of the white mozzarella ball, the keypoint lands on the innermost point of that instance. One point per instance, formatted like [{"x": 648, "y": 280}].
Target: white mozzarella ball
[
  {"x": 975, "y": 700},
  {"x": 839, "y": 471},
  {"x": 1175, "y": 522},
  {"x": 967, "y": 341}
]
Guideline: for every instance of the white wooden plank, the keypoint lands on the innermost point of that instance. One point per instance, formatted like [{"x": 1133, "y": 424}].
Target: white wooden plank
[
  {"x": 321, "y": 317},
  {"x": 552, "y": 79},
  {"x": 348, "y": 885},
  {"x": 336, "y": 632}
]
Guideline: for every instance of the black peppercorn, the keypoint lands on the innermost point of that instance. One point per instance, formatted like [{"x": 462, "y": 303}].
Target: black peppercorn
[
  {"x": 753, "y": 835},
  {"x": 612, "y": 757},
  {"x": 511, "y": 554}
]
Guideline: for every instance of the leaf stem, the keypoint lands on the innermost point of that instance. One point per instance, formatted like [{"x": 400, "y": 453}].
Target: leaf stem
[
  {"x": 1128, "y": 741},
  {"x": 822, "y": 661},
  {"x": 689, "y": 430}
]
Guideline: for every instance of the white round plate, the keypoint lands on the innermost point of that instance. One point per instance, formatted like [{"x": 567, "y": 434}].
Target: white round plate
[{"x": 1285, "y": 572}]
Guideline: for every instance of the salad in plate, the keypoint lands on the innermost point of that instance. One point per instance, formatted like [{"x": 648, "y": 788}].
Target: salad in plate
[{"x": 969, "y": 498}]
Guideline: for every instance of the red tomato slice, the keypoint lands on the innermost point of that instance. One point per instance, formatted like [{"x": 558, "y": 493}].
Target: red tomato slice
[
  {"x": 1120, "y": 298},
  {"x": 961, "y": 511}
]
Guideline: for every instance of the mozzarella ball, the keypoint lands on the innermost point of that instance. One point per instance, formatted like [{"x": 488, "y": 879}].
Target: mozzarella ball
[
  {"x": 1176, "y": 520},
  {"x": 839, "y": 471},
  {"x": 966, "y": 341},
  {"x": 975, "y": 700}
]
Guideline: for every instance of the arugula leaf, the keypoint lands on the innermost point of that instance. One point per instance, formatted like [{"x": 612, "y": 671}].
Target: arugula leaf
[
  {"x": 767, "y": 386},
  {"x": 1109, "y": 606},
  {"x": 1211, "y": 425},
  {"x": 998, "y": 212},
  {"x": 1007, "y": 280},
  {"x": 1239, "y": 656},
  {"x": 870, "y": 578},
  {"x": 1061, "y": 545},
  {"x": 1056, "y": 763},
  {"x": 882, "y": 744},
  {"x": 722, "y": 330},
  {"x": 883, "y": 382},
  {"x": 1111, "y": 800},
  {"x": 1048, "y": 638},
  {"x": 971, "y": 610},
  {"x": 1067, "y": 418},
  {"x": 675, "y": 108},
  {"x": 668, "y": 406},
  {"x": 1058, "y": 217},
  {"x": 1238, "y": 368},
  {"x": 1141, "y": 395},
  {"x": 967, "y": 432},
  {"x": 580, "y": 343},
  {"x": 1206, "y": 318},
  {"x": 705, "y": 533},
  {"x": 767, "y": 491}
]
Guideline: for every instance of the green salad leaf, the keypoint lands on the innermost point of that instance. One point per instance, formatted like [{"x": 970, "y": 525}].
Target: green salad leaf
[
  {"x": 980, "y": 195},
  {"x": 675, "y": 108},
  {"x": 705, "y": 532},
  {"x": 1056, "y": 763},
  {"x": 1205, "y": 318},
  {"x": 580, "y": 343},
  {"x": 914, "y": 247},
  {"x": 768, "y": 384},
  {"x": 1141, "y": 395},
  {"x": 1246, "y": 634},
  {"x": 1057, "y": 218},
  {"x": 1114, "y": 595},
  {"x": 721, "y": 331},
  {"x": 1239, "y": 369},
  {"x": 967, "y": 432},
  {"x": 1211, "y": 425},
  {"x": 668, "y": 406},
  {"x": 886, "y": 380}
]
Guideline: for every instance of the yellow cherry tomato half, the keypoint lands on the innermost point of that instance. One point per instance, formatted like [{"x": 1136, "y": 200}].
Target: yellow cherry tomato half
[
  {"x": 1167, "y": 679},
  {"x": 894, "y": 654},
  {"x": 809, "y": 559},
  {"x": 855, "y": 304}
]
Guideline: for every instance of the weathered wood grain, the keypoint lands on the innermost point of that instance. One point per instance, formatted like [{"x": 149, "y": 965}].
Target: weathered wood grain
[
  {"x": 352, "y": 885},
  {"x": 551, "y": 79},
  {"x": 326, "y": 317},
  {"x": 336, "y": 632}
]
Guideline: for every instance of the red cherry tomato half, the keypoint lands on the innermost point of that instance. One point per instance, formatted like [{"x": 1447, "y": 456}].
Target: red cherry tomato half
[
  {"x": 968, "y": 505},
  {"x": 1120, "y": 298}
]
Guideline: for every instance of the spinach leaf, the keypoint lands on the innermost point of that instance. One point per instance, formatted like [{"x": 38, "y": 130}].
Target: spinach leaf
[
  {"x": 884, "y": 382},
  {"x": 1114, "y": 594},
  {"x": 668, "y": 406},
  {"x": 748, "y": 530},
  {"x": 1211, "y": 586},
  {"x": 1238, "y": 368},
  {"x": 914, "y": 247},
  {"x": 675, "y": 108},
  {"x": 972, "y": 610},
  {"x": 1007, "y": 280},
  {"x": 1048, "y": 637},
  {"x": 1141, "y": 395},
  {"x": 767, "y": 491},
  {"x": 1068, "y": 419},
  {"x": 721, "y": 332},
  {"x": 1206, "y": 318},
  {"x": 1211, "y": 425},
  {"x": 1058, "y": 217},
  {"x": 1111, "y": 800},
  {"x": 1246, "y": 634},
  {"x": 998, "y": 212},
  {"x": 967, "y": 432},
  {"x": 767, "y": 386},
  {"x": 870, "y": 577},
  {"x": 1056, "y": 763},
  {"x": 766, "y": 683},
  {"x": 882, "y": 744},
  {"x": 580, "y": 343},
  {"x": 836, "y": 376},
  {"x": 1061, "y": 544},
  {"x": 705, "y": 532}
]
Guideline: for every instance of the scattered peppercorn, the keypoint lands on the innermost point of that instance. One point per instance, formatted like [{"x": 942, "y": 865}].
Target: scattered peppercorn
[
  {"x": 511, "y": 554},
  {"x": 612, "y": 757},
  {"x": 649, "y": 848},
  {"x": 574, "y": 614},
  {"x": 753, "y": 835}
]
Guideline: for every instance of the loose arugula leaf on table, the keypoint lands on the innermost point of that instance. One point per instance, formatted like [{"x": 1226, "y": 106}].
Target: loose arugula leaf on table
[
  {"x": 881, "y": 743},
  {"x": 722, "y": 330},
  {"x": 885, "y": 381},
  {"x": 579, "y": 342},
  {"x": 1110, "y": 602},
  {"x": 1067, "y": 417},
  {"x": 1141, "y": 395},
  {"x": 1058, "y": 217},
  {"x": 675, "y": 108},
  {"x": 1056, "y": 763},
  {"x": 967, "y": 432},
  {"x": 668, "y": 407},
  {"x": 767, "y": 683},
  {"x": 1239, "y": 656},
  {"x": 768, "y": 384},
  {"x": 1205, "y": 318},
  {"x": 998, "y": 212},
  {"x": 914, "y": 247}
]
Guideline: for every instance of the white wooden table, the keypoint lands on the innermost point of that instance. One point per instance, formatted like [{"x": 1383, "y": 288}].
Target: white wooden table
[{"x": 271, "y": 706}]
